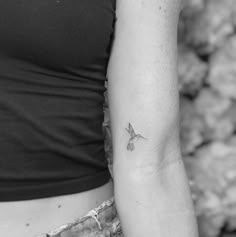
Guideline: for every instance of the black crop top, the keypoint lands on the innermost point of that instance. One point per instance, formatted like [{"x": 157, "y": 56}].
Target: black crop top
[{"x": 53, "y": 61}]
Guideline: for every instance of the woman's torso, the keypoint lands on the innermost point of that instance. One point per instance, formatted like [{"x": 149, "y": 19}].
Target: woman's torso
[
  {"x": 34, "y": 217},
  {"x": 51, "y": 51}
]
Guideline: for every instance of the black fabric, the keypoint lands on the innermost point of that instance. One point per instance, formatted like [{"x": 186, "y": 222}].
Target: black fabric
[{"x": 53, "y": 61}]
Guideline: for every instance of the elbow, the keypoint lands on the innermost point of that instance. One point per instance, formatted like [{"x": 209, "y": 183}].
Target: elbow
[
  {"x": 166, "y": 147},
  {"x": 160, "y": 152}
]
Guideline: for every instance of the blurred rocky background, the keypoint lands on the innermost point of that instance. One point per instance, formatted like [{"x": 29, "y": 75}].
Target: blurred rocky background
[{"x": 207, "y": 85}]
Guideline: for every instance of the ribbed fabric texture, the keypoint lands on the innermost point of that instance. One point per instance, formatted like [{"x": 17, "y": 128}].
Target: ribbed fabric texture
[{"x": 53, "y": 62}]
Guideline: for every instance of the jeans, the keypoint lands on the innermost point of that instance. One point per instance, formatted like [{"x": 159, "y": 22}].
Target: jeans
[{"x": 102, "y": 221}]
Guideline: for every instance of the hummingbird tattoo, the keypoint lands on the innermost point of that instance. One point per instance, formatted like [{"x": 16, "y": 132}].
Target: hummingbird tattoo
[{"x": 134, "y": 138}]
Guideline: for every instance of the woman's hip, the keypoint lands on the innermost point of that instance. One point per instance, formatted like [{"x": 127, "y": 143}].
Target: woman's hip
[
  {"x": 102, "y": 221},
  {"x": 35, "y": 217}
]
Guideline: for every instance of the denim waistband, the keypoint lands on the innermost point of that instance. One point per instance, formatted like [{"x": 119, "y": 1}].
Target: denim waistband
[{"x": 102, "y": 221}]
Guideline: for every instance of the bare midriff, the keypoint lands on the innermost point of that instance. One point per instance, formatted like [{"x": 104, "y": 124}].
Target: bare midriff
[{"x": 29, "y": 218}]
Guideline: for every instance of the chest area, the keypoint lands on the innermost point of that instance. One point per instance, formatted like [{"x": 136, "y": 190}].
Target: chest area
[{"x": 56, "y": 30}]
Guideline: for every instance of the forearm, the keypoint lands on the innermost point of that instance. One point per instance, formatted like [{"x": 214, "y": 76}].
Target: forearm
[
  {"x": 155, "y": 203},
  {"x": 152, "y": 197}
]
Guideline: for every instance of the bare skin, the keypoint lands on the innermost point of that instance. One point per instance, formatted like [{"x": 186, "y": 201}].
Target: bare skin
[{"x": 30, "y": 218}]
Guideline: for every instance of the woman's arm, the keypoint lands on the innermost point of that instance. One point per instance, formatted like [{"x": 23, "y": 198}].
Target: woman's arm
[{"x": 151, "y": 188}]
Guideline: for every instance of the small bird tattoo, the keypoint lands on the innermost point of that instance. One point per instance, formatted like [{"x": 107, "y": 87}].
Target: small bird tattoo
[{"x": 134, "y": 138}]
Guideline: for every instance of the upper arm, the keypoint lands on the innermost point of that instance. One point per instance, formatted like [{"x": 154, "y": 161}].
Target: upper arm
[{"x": 142, "y": 75}]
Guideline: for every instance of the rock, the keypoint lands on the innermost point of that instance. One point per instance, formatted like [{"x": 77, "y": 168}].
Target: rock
[
  {"x": 213, "y": 171},
  {"x": 212, "y": 107},
  {"x": 191, "y": 127},
  {"x": 191, "y": 71},
  {"x": 208, "y": 28},
  {"x": 222, "y": 72}
]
